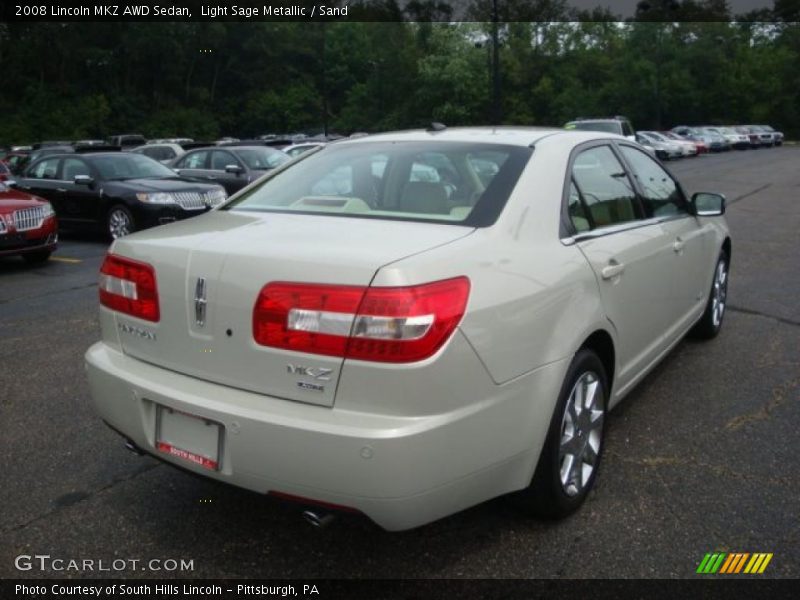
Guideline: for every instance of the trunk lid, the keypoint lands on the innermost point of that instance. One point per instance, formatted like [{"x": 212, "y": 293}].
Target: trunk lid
[{"x": 236, "y": 254}]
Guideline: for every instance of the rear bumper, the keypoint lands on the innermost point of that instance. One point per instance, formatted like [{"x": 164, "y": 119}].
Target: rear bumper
[{"x": 401, "y": 472}]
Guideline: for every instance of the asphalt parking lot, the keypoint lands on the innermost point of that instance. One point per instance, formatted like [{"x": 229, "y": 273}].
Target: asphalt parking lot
[{"x": 702, "y": 457}]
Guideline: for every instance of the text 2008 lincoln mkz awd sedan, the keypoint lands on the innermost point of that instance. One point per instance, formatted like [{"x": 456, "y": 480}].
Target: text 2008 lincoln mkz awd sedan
[{"x": 408, "y": 324}]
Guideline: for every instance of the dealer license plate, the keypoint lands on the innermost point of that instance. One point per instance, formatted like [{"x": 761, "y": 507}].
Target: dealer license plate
[{"x": 188, "y": 437}]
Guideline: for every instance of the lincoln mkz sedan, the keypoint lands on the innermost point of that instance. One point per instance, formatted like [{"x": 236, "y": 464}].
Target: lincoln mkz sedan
[
  {"x": 349, "y": 334},
  {"x": 28, "y": 226},
  {"x": 116, "y": 192}
]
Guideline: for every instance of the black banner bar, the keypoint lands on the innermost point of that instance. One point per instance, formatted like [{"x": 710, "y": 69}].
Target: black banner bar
[
  {"x": 399, "y": 10},
  {"x": 711, "y": 587}
]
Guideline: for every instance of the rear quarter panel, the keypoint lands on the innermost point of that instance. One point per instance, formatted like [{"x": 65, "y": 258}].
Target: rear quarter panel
[{"x": 533, "y": 300}]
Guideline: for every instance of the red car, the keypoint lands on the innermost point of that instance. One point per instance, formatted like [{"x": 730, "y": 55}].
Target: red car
[{"x": 27, "y": 226}]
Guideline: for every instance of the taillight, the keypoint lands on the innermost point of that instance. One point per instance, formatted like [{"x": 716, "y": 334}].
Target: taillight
[
  {"x": 384, "y": 324},
  {"x": 129, "y": 286}
]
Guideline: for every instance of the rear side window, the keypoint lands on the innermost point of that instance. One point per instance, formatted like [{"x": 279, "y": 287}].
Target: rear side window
[
  {"x": 45, "y": 169},
  {"x": 74, "y": 167},
  {"x": 196, "y": 160},
  {"x": 262, "y": 159},
  {"x": 221, "y": 159},
  {"x": 661, "y": 196},
  {"x": 604, "y": 187}
]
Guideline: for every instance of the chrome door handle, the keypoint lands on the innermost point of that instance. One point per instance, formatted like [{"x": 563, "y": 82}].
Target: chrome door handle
[
  {"x": 678, "y": 245},
  {"x": 62, "y": 190},
  {"x": 612, "y": 270}
]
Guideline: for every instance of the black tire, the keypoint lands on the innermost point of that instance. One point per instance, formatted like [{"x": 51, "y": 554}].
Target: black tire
[
  {"x": 38, "y": 257},
  {"x": 710, "y": 323},
  {"x": 547, "y": 496},
  {"x": 119, "y": 222}
]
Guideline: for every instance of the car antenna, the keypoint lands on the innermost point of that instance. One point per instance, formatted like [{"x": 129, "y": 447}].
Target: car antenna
[{"x": 435, "y": 126}]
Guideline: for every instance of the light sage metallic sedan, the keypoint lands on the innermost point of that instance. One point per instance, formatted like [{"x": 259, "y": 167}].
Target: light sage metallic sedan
[{"x": 409, "y": 324}]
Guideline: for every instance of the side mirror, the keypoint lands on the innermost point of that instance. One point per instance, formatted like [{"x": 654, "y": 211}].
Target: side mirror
[
  {"x": 708, "y": 204},
  {"x": 235, "y": 169},
  {"x": 12, "y": 183},
  {"x": 83, "y": 180}
]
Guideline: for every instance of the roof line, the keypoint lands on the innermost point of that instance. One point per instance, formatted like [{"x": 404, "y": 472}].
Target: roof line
[{"x": 544, "y": 137}]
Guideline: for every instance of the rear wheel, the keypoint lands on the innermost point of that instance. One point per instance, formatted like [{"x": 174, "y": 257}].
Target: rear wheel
[
  {"x": 119, "y": 222},
  {"x": 711, "y": 322},
  {"x": 35, "y": 258},
  {"x": 571, "y": 454}
]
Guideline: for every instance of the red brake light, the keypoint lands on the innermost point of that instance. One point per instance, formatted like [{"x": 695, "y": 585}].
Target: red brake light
[
  {"x": 391, "y": 324},
  {"x": 129, "y": 286},
  {"x": 277, "y": 300}
]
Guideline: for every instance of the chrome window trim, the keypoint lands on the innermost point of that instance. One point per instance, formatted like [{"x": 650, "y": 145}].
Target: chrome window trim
[{"x": 612, "y": 229}]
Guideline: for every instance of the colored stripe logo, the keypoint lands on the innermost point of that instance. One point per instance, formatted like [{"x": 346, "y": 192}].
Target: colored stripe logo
[{"x": 731, "y": 563}]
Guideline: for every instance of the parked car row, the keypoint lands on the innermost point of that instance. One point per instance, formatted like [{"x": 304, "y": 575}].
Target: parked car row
[
  {"x": 91, "y": 185},
  {"x": 165, "y": 150},
  {"x": 723, "y": 138},
  {"x": 126, "y": 182},
  {"x": 682, "y": 141}
]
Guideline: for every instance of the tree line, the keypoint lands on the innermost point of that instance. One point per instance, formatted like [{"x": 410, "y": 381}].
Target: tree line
[{"x": 204, "y": 80}]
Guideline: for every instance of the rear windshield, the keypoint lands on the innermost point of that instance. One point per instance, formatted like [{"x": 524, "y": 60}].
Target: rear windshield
[
  {"x": 445, "y": 182},
  {"x": 604, "y": 126}
]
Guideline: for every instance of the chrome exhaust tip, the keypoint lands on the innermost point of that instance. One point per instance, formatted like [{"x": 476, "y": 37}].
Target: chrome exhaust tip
[
  {"x": 318, "y": 520},
  {"x": 129, "y": 445}
]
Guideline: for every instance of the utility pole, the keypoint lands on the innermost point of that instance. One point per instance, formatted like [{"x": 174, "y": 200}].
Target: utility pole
[
  {"x": 324, "y": 82},
  {"x": 497, "y": 110}
]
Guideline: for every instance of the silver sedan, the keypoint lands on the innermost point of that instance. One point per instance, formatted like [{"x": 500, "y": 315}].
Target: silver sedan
[{"x": 408, "y": 324}]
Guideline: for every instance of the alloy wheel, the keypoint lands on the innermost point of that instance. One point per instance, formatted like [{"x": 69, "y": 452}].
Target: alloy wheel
[
  {"x": 119, "y": 223},
  {"x": 719, "y": 293},
  {"x": 581, "y": 433}
]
